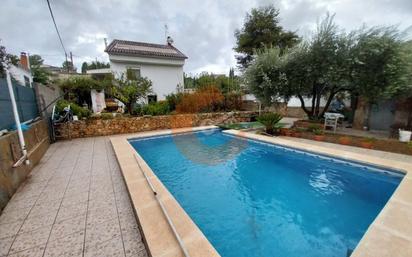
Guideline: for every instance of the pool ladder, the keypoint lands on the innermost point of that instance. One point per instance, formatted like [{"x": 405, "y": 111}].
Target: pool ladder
[{"x": 169, "y": 220}]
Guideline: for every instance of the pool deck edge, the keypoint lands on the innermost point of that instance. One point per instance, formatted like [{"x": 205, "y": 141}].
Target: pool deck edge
[
  {"x": 390, "y": 234},
  {"x": 157, "y": 233}
]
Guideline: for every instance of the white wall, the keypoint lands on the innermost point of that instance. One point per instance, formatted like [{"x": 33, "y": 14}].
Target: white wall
[
  {"x": 165, "y": 74},
  {"x": 18, "y": 74}
]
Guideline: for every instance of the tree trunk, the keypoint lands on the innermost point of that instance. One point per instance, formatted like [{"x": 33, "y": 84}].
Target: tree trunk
[
  {"x": 330, "y": 98},
  {"x": 302, "y": 105}
]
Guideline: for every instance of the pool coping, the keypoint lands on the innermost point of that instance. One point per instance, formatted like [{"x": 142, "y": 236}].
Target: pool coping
[
  {"x": 158, "y": 235},
  {"x": 390, "y": 234}
]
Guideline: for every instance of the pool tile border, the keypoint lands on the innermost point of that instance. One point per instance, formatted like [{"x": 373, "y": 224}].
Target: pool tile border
[
  {"x": 390, "y": 234},
  {"x": 157, "y": 233}
]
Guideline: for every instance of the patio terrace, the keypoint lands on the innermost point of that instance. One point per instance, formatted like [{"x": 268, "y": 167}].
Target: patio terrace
[{"x": 75, "y": 203}]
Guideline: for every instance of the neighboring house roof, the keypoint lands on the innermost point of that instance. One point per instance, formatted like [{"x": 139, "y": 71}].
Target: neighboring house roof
[{"x": 132, "y": 48}]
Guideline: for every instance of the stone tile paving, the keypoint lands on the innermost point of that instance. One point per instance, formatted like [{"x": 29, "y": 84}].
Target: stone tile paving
[{"x": 74, "y": 203}]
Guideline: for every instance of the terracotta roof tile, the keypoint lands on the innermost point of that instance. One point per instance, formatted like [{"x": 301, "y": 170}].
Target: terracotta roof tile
[{"x": 132, "y": 48}]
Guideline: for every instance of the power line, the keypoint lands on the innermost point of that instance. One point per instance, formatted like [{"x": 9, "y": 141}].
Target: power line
[{"x": 57, "y": 30}]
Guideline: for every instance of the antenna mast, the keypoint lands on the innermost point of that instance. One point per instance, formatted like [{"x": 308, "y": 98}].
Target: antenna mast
[{"x": 166, "y": 31}]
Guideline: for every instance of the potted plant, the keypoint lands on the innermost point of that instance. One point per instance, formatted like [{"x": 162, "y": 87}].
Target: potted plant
[
  {"x": 344, "y": 140},
  {"x": 271, "y": 122},
  {"x": 405, "y": 107},
  {"x": 367, "y": 142},
  {"x": 319, "y": 135}
]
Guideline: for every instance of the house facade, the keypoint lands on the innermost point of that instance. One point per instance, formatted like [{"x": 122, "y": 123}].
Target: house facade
[
  {"x": 21, "y": 72},
  {"x": 162, "y": 64}
]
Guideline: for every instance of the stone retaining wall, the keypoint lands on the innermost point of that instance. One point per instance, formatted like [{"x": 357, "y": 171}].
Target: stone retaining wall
[
  {"x": 102, "y": 127},
  {"x": 37, "y": 142}
]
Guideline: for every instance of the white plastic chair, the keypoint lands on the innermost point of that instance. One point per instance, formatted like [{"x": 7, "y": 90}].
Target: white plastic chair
[{"x": 331, "y": 120}]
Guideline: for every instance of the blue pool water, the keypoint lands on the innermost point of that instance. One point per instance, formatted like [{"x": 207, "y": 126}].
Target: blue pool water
[{"x": 254, "y": 199}]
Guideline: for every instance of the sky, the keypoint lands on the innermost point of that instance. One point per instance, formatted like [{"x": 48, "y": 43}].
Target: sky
[{"x": 202, "y": 29}]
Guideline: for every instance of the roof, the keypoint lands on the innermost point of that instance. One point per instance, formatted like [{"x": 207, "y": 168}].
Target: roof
[{"x": 132, "y": 48}]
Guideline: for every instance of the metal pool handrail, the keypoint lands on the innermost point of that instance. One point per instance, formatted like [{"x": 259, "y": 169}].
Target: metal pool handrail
[{"x": 179, "y": 240}]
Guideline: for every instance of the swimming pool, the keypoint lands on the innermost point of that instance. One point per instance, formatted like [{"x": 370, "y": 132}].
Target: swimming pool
[{"x": 255, "y": 199}]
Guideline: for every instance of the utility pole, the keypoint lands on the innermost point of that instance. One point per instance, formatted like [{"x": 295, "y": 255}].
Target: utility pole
[
  {"x": 71, "y": 60},
  {"x": 67, "y": 62}
]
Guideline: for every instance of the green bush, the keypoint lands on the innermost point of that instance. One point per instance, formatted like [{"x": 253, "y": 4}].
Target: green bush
[
  {"x": 106, "y": 116},
  {"x": 77, "y": 110},
  {"x": 314, "y": 127},
  {"x": 270, "y": 121},
  {"x": 173, "y": 100},
  {"x": 157, "y": 108}
]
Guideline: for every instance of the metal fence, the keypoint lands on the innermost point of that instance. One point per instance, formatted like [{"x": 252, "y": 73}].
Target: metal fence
[{"x": 26, "y": 104}]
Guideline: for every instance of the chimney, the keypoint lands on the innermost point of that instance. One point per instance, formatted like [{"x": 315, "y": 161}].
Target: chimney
[{"x": 24, "y": 60}]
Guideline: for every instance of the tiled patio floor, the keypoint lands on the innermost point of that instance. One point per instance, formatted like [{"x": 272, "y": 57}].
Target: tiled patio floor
[{"x": 74, "y": 204}]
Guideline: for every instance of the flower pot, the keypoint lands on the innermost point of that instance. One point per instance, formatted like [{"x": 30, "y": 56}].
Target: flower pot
[
  {"x": 344, "y": 140},
  {"x": 367, "y": 145},
  {"x": 319, "y": 137},
  {"x": 404, "y": 135}
]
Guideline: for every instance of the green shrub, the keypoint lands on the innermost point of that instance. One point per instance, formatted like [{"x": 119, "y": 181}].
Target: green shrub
[
  {"x": 77, "y": 110},
  {"x": 314, "y": 127},
  {"x": 173, "y": 100},
  {"x": 157, "y": 108},
  {"x": 318, "y": 131},
  {"x": 106, "y": 116},
  {"x": 270, "y": 121}
]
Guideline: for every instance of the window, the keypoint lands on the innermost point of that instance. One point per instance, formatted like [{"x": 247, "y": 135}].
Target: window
[
  {"x": 152, "y": 99},
  {"x": 27, "y": 81},
  {"x": 133, "y": 73}
]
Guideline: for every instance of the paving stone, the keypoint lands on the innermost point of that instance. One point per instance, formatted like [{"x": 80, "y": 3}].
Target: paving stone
[
  {"x": 5, "y": 244},
  {"x": 69, "y": 245},
  {"x": 14, "y": 216},
  {"x": 30, "y": 239},
  {"x": 71, "y": 211},
  {"x": 37, "y": 222},
  {"x": 32, "y": 252},
  {"x": 10, "y": 229},
  {"x": 133, "y": 244},
  {"x": 68, "y": 226},
  {"x": 98, "y": 233},
  {"x": 110, "y": 248}
]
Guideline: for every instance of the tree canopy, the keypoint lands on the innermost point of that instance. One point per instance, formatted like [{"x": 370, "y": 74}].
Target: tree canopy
[
  {"x": 261, "y": 29},
  {"x": 94, "y": 65},
  {"x": 40, "y": 75},
  {"x": 367, "y": 62},
  {"x": 131, "y": 91},
  {"x": 224, "y": 83}
]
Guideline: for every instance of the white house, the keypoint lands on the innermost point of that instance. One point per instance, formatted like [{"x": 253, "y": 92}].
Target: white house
[
  {"x": 162, "y": 64},
  {"x": 21, "y": 72}
]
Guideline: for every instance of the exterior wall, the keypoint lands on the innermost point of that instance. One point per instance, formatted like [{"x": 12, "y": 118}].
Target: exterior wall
[
  {"x": 46, "y": 94},
  {"x": 18, "y": 74},
  {"x": 37, "y": 141},
  {"x": 99, "y": 127},
  {"x": 165, "y": 74}
]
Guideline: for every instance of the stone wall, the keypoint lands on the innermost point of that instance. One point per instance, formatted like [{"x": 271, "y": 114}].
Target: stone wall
[
  {"x": 103, "y": 127},
  {"x": 37, "y": 142}
]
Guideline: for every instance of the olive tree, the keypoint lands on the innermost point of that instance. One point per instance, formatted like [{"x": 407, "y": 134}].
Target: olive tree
[
  {"x": 367, "y": 63},
  {"x": 131, "y": 91}
]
